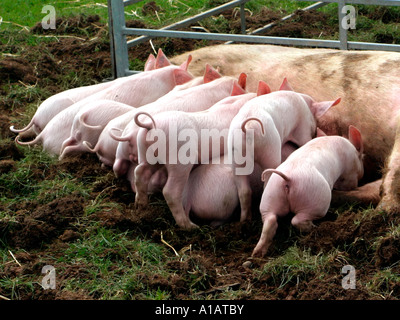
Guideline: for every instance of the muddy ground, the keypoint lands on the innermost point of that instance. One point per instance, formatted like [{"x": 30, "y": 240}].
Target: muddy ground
[{"x": 47, "y": 227}]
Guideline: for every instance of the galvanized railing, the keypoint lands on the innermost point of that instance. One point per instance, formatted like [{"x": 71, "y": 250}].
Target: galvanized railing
[{"x": 120, "y": 45}]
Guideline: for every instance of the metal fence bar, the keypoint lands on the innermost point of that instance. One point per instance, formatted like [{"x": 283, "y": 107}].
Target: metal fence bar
[
  {"x": 198, "y": 17},
  {"x": 262, "y": 39},
  {"x": 231, "y": 37},
  {"x": 270, "y": 25},
  {"x": 354, "y": 45}
]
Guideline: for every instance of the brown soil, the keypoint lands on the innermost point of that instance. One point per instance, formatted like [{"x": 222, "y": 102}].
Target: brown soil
[
  {"x": 382, "y": 13},
  {"x": 304, "y": 24},
  {"x": 46, "y": 228},
  {"x": 150, "y": 8}
]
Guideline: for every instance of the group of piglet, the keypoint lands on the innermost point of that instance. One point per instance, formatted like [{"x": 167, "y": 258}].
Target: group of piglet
[{"x": 296, "y": 165}]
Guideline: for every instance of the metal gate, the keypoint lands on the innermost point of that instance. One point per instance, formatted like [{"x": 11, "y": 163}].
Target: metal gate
[{"x": 120, "y": 45}]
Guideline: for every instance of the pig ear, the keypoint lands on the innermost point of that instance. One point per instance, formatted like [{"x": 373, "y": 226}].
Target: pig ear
[
  {"x": 181, "y": 76},
  {"x": 161, "y": 60},
  {"x": 355, "y": 138},
  {"x": 150, "y": 63},
  {"x": 285, "y": 85},
  {"x": 242, "y": 80},
  {"x": 318, "y": 109},
  {"x": 263, "y": 88},
  {"x": 210, "y": 74},
  {"x": 237, "y": 89},
  {"x": 185, "y": 65},
  {"x": 320, "y": 133}
]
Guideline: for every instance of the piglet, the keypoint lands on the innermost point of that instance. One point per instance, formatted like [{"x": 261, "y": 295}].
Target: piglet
[
  {"x": 89, "y": 123},
  {"x": 198, "y": 98},
  {"x": 53, "y": 105},
  {"x": 210, "y": 193},
  {"x": 138, "y": 91},
  {"x": 303, "y": 183},
  {"x": 56, "y": 131},
  {"x": 275, "y": 119},
  {"x": 109, "y": 145},
  {"x": 106, "y": 146},
  {"x": 214, "y": 121}
]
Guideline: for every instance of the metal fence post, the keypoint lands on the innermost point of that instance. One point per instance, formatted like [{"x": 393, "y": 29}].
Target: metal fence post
[
  {"x": 119, "y": 46},
  {"x": 342, "y": 30}
]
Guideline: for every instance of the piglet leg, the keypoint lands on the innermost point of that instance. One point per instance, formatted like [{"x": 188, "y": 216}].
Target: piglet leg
[
  {"x": 244, "y": 192},
  {"x": 267, "y": 155},
  {"x": 303, "y": 220},
  {"x": 303, "y": 223},
  {"x": 143, "y": 173},
  {"x": 130, "y": 175},
  {"x": 241, "y": 176},
  {"x": 173, "y": 191},
  {"x": 268, "y": 232}
]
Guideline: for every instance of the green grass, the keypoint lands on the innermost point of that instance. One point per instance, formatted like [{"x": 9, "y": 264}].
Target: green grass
[
  {"x": 109, "y": 265},
  {"x": 384, "y": 282},
  {"x": 114, "y": 264},
  {"x": 29, "y": 13},
  {"x": 21, "y": 184},
  {"x": 295, "y": 265}
]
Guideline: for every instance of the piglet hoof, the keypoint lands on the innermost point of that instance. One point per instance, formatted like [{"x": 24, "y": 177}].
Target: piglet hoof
[
  {"x": 308, "y": 228},
  {"x": 260, "y": 250},
  {"x": 245, "y": 217},
  {"x": 140, "y": 204},
  {"x": 141, "y": 199},
  {"x": 192, "y": 226},
  {"x": 188, "y": 225},
  {"x": 137, "y": 206},
  {"x": 304, "y": 226}
]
